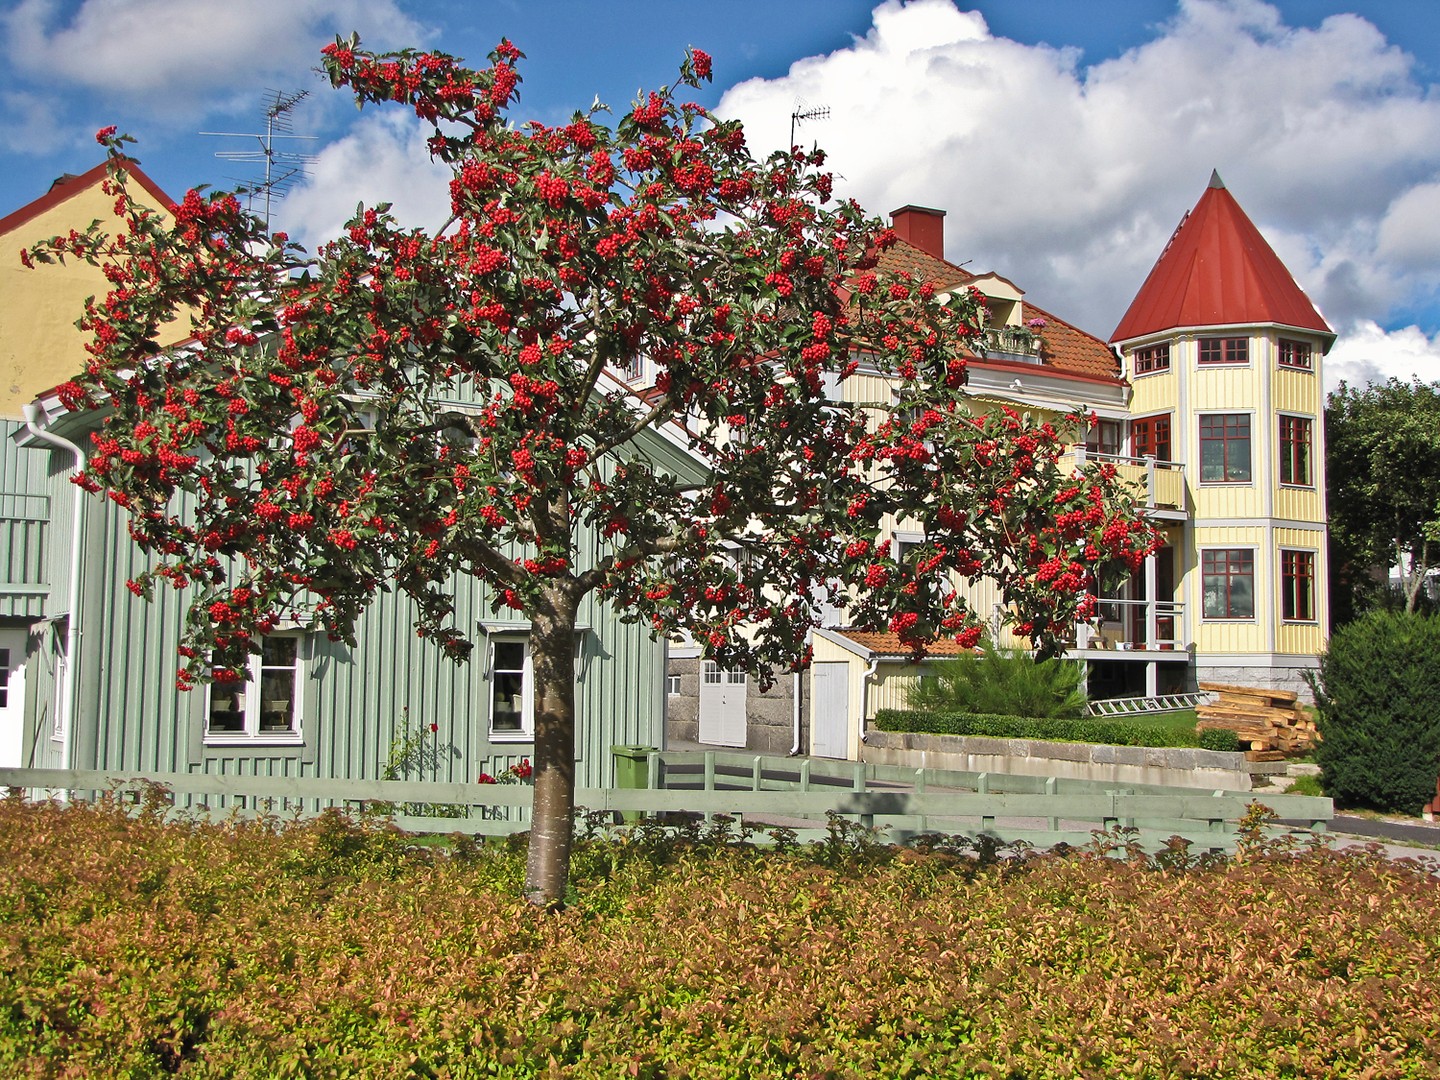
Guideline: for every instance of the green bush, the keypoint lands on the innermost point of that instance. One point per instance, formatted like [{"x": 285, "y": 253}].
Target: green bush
[
  {"x": 1377, "y": 701},
  {"x": 1133, "y": 731},
  {"x": 1002, "y": 682},
  {"x": 1219, "y": 739}
]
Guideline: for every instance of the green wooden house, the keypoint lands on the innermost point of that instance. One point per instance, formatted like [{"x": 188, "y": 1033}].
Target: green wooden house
[{"x": 94, "y": 669}]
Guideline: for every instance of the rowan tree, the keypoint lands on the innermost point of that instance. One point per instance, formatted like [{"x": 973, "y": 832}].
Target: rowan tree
[{"x": 405, "y": 407}]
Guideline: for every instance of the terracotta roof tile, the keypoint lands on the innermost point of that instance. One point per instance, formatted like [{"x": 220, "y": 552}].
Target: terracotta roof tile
[
  {"x": 1066, "y": 347},
  {"x": 889, "y": 644}
]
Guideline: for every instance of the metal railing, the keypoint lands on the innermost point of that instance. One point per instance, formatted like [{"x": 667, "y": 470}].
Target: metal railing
[
  {"x": 1133, "y": 625},
  {"x": 1162, "y": 482},
  {"x": 1014, "y": 340},
  {"x": 773, "y": 792}
]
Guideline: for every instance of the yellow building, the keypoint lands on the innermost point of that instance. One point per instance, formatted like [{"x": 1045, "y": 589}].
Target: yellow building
[{"x": 1223, "y": 352}]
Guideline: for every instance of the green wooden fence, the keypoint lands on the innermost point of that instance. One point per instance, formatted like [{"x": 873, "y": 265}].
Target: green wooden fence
[{"x": 793, "y": 793}]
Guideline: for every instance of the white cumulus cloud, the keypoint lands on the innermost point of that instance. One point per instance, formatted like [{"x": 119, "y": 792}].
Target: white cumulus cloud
[
  {"x": 178, "y": 56},
  {"x": 1368, "y": 353},
  {"x": 1069, "y": 179},
  {"x": 382, "y": 159}
]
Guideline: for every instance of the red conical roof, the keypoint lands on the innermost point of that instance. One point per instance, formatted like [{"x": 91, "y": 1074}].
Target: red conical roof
[{"x": 1218, "y": 270}]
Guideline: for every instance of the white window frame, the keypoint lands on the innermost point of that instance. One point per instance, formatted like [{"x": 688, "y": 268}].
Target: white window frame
[
  {"x": 60, "y": 716},
  {"x": 248, "y": 698},
  {"x": 526, "y": 671}
]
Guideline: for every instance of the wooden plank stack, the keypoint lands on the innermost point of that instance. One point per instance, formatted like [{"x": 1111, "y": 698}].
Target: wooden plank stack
[{"x": 1272, "y": 721}]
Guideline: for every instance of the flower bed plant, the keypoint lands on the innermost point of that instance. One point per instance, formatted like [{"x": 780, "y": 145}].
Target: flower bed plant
[{"x": 131, "y": 947}]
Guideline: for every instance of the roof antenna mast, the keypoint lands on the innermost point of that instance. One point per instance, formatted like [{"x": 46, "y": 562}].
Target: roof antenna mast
[
  {"x": 282, "y": 167},
  {"x": 801, "y": 114}
]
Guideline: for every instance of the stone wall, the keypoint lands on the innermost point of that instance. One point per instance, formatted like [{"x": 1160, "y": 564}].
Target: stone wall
[
  {"x": 1263, "y": 678},
  {"x": 1173, "y": 766}
]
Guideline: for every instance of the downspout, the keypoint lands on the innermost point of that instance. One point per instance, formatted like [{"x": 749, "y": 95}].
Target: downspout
[
  {"x": 795, "y": 712},
  {"x": 31, "y": 413},
  {"x": 865, "y": 693}
]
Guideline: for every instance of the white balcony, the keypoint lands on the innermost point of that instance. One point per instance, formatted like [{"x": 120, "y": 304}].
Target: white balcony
[
  {"x": 1162, "y": 483},
  {"x": 1133, "y": 626}
]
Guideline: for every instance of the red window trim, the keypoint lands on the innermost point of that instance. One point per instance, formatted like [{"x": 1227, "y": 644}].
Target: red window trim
[
  {"x": 1297, "y": 586},
  {"x": 1297, "y": 468}
]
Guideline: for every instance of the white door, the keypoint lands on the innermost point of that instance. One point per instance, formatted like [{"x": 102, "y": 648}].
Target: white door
[
  {"x": 12, "y": 697},
  {"x": 830, "y": 710},
  {"x": 722, "y": 706}
]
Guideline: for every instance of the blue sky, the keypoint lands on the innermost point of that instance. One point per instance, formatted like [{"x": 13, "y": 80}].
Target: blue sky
[{"x": 1065, "y": 139}]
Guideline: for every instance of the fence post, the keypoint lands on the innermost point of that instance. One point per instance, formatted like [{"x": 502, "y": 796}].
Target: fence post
[
  {"x": 653, "y": 778},
  {"x": 709, "y": 778},
  {"x": 922, "y": 823},
  {"x": 1217, "y": 827},
  {"x": 757, "y": 772},
  {"x": 805, "y": 775},
  {"x": 857, "y": 784},
  {"x": 1052, "y": 787}
]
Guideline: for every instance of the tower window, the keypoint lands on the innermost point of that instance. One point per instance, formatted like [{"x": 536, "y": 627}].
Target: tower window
[{"x": 1230, "y": 350}]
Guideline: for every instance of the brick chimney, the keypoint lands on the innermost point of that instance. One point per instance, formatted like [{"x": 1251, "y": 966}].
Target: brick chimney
[{"x": 922, "y": 226}]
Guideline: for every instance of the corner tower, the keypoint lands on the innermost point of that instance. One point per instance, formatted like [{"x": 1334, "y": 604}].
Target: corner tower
[{"x": 1223, "y": 352}]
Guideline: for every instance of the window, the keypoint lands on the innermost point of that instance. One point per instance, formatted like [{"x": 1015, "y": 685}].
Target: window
[
  {"x": 266, "y": 706},
  {"x": 1155, "y": 358},
  {"x": 1225, "y": 448},
  {"x": 1230, "y": 350},
  {"x": 1150, "y": 437},
  {"x": 1295, "y": 451},
  {"x": 1296, "y": 354},
  {"x": 1227, "y": 579},
  {"x": 1103, "y": 438},
  {"x": 512, "y": 708},
  {"x": 903, "y": 544},
  {"x": 672, "y": 685},
  {"x": 1297, "y": 586}
]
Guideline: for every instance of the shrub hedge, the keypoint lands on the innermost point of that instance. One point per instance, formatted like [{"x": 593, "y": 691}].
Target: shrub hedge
[
  {"x": 1136, "y": 731},
  {"x": 1377, "y": 703},
  {"x": 132, "y": 947}
]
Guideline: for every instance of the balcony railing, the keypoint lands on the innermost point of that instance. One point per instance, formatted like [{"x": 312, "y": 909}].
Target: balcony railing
[
  {"x": 24, "y": 523},
  {"x": 1018, "y": 341},
  {"x": 1162, "y": 482},
  {"x": 1133, "y": 626}
]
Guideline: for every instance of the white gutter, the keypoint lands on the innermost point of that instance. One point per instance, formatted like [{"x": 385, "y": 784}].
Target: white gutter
[
  {"x": 31, "y": 413},
  {"x": 865, "y": 693}
]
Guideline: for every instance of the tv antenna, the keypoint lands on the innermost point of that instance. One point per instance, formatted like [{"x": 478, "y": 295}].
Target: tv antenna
[
  {"x": 282, "y": 167},
  {"x": 801, "y": 114}
]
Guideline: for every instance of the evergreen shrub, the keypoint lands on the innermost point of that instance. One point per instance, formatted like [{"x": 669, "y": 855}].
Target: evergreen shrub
[
  {"x": 1377, "y": 700},
  {"x": 1002, "y": 682}
]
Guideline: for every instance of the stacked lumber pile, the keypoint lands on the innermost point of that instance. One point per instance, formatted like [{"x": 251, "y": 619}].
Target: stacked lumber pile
[{"x": 1272, "y": 721}]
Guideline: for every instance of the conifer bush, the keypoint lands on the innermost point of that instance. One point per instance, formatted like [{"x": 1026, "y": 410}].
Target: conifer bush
[
  {"x": 1003, "y": 682},
  {"x": 1377, "y": 701}
]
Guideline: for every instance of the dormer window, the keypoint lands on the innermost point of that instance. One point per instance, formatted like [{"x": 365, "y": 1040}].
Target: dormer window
[
  {"x": 1296, "y": 354},
  {"x": 1231, "y": 350},
  {"x": 1155, "y": 358},
  {"x": 632, "y": 368}
]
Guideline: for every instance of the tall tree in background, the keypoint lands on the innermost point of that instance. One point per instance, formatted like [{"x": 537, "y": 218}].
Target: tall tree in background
[
  {"x": 406, "y": 407},
  {"x": 1382, "y": 479}
]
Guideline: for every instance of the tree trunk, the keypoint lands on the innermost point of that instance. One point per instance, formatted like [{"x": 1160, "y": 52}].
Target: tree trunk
[{"x": 552, "y": 659}]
